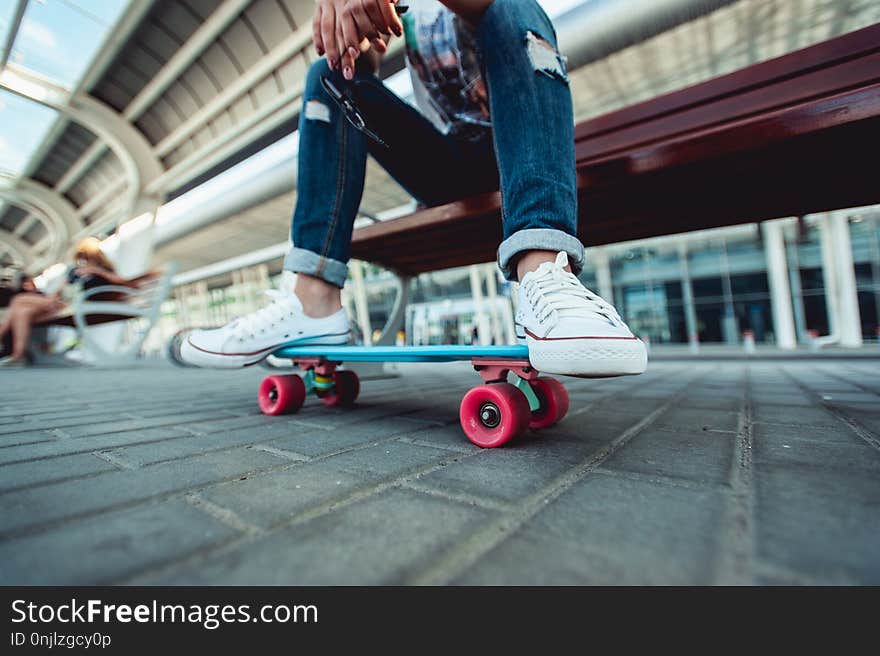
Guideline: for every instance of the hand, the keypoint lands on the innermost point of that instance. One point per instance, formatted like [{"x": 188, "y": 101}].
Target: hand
[{"x": 342, "y": 29}]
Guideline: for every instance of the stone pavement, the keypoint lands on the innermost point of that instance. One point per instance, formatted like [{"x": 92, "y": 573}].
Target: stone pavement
[{"x": 709, "y": 472}]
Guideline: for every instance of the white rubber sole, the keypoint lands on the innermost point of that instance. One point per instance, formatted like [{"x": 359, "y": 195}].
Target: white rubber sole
[
  {"x": 588, "y": 357},
  {"x": 192, "y": 354}
]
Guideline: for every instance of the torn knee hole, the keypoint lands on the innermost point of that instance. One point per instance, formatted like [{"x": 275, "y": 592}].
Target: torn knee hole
[
  {"x": 315, "y": 110},
  {"x": 545, "y": 58}
]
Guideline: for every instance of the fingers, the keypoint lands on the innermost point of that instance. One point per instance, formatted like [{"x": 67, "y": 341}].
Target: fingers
[
  {"x": 379, "y": 20},
  {"x": 390, "y": 17},
  {"x": 328, "y": 35},
  {"x": 353, "y": 23},
  {"x": 349, "y": 38},
  {"x": 317, "y": 38},
  {"x": 380, "y": 15}
]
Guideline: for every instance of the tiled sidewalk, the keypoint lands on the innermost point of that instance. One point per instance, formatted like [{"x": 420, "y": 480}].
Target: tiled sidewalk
[{"x": 694, "y": 473}]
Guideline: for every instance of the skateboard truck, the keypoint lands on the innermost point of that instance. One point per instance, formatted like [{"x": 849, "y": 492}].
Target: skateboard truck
[{"x": 494, "y": 370}]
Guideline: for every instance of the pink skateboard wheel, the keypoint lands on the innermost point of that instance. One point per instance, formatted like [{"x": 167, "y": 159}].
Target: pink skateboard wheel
[
  {"x": 346, "y": 388},
  {"x": 554, "y": 402},
  {"x": 280, "y": 395},
  {"x": 493, "y": 414}
]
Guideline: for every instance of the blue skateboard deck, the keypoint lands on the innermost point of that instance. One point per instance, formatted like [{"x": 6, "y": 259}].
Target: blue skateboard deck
[
  {"x": 401, "y": 353},
  {"x": 491, "y": 414}
]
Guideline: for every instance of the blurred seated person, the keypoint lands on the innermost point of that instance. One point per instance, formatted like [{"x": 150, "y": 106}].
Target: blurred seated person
[{"x": 30, "y": 306}]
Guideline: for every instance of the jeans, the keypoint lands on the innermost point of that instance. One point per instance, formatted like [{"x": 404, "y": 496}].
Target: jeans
[{"x": 530, "y": 154}]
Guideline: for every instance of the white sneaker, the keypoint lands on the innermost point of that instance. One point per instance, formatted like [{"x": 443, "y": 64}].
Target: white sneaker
[
  {"x": 249, "y": 339},
  {"x": 570, "y": 330}
]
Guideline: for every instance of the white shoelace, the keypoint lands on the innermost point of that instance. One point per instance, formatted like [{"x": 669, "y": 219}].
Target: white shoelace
[
  {"x": 250, "y": 325},
  {"x": 559, "y": 292}
]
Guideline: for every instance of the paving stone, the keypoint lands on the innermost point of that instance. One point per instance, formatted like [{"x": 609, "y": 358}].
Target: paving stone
[
  {"x": 643, "y": 524},
  {"x": 701, "y": 457},
  {"x": 145, "y": 454},
  {"x": 498, "y": 474},
  {"x": 396, "y": 533},
  {"x": 446, "y": 437},
  {"x": 809, "y": 520},
  {"x": 103, "y": 549},
  {"x": 135, "y": 424},
  {"x": 778, "y": 434},
  {"x": 31, "y": 507},
  {"x": 58, "y": 447},
  {"x": 868, "y": 420},
  {"x": 697, "y": 419},
  {"x": 316, "y": 442},
  {"x": 68, "y": 419},
  {"x": 24, "y": 437},
  {"x": 387, "y": 459},
  {"x": 854, "y": 456},
  {"x": 272, "y": 498},
  {"x": 794, "y": 416},
  {"x": 36, "y": 472},
  {"x": 530, "y": 559}
]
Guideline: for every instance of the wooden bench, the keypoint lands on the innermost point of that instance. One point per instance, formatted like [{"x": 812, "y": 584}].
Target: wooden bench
[{"x": 785, "y": 137}]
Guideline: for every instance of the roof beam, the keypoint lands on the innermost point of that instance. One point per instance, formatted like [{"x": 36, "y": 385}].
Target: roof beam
[
  {"x": 130, "y": 146},
  {"x": 272, "y": 114},
  {"x": 45, "y": 201},
  {"x": 26, "y": 224},
  {"x": 17, "y": 15},
  {"x": 14, "y": 246},
  {"x": 127, "y": 142},
  {"x": 291, "y": 46},
  {"x": 188, "y": 53}
]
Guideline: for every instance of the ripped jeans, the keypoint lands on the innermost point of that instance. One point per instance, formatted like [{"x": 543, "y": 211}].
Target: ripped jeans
[{"x": 532, "y": 159}]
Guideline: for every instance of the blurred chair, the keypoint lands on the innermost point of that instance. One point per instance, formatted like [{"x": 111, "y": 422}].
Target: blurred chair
[{"x": 105, "y": 304}]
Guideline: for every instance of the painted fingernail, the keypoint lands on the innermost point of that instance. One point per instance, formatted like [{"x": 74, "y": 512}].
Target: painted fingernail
[
  {"x": 320, "y": 51},
  {"x": 333, "y": 63},
  {"x": 347, "y": 72},
  {"x": 353, "y": 52}
]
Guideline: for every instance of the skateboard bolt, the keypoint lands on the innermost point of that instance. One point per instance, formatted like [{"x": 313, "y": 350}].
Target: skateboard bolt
[
  {"x": 273, "y": 394},
  {"x": 490, "y": 415}
]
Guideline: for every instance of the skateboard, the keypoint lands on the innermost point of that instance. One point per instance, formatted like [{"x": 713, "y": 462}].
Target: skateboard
[{"x": 491, "y": 414}]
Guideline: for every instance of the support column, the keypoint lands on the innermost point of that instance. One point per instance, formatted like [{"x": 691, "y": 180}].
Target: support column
[
  {"x": 483, "y": 326},
  {"x": 829, "y": 277},
  {"x": 687, "y": 297},
  {"x": 850, "y": 318},
  {"x": 729, "y": 324},
  {"x": 495, "y": 314},
  {"x": 777, "y": 277},
  {"x": 797, "y": 294},
  {"x": 360, "y": 300},
  {"x": 600, "y": 258}
]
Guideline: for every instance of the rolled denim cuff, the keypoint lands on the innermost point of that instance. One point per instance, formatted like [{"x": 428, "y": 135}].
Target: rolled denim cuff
[
  {"x": 541, "y": 239},
  {"x": 300, "y": 260}
]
